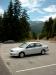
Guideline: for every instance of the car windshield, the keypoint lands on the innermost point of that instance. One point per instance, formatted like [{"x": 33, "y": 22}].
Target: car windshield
[{"x": 24, "y": 45}]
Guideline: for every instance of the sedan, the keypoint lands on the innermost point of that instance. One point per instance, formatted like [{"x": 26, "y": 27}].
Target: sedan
[{"x": 28, "y": 48}]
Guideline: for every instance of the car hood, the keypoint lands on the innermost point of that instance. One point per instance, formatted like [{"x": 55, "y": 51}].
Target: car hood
[{"x": 17, "y": 49}]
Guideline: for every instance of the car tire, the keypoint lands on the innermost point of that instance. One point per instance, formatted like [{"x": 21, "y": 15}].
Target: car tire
[
  {"x": 21, "y": 55},
  {"x": 43, "y": 52}
]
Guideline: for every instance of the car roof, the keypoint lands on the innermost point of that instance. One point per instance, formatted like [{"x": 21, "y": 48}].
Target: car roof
[{"x": 32, "y": 42}]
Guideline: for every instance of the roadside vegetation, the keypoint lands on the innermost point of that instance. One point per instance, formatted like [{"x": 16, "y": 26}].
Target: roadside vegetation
[
  {"x": 15, "y": 25},
  {"x": 49, "y": 29}
]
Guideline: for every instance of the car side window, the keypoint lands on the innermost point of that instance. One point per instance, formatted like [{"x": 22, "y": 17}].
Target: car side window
[
  {"x": 38, "y": 45},
  {"x": 30, "y": 45}
]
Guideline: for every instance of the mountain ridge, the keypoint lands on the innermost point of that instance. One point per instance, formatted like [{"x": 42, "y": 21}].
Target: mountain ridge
[{"x": 36, "y": 26}]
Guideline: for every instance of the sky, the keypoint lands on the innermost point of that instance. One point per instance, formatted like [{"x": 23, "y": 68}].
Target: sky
[{"x": 38, "y": 10}]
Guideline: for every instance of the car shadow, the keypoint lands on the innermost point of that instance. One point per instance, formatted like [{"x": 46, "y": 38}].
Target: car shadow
[
  {"x": 36, "y": 55},
  {"x": 32, "y": 55}
]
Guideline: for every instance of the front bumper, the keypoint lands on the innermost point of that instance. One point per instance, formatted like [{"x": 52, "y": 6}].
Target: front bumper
[
  {"x": 46, "y": 49},
  {"x": 13, "y": 54}
]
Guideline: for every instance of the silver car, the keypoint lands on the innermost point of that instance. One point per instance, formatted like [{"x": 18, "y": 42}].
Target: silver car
[{"x": 28, "y": 48}]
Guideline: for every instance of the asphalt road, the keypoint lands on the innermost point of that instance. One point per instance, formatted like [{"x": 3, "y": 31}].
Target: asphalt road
[
  {"x": 3, "y": 69},
  {"x": 30, "y": 65}
]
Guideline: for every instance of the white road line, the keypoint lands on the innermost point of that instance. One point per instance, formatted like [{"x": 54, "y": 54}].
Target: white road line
[{"x": 36, "y": 68}]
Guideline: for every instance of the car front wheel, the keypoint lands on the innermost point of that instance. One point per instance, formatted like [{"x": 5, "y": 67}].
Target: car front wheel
[
  {"x": 21, "y": 55},
  {"x": 43, "y": 52}
]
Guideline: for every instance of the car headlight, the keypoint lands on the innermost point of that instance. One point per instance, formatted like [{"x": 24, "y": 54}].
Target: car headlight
[
  {"x": 11, "y": 50},
  {"x": 47, "y": 47}
]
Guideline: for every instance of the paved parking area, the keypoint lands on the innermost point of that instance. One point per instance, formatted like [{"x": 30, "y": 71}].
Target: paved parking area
[
  {"x": 3, "y": 69},
  {"x": 30, "y": 65}
]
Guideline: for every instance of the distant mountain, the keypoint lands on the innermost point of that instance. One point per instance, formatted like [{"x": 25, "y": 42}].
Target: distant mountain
[{"x": 36, "y": 26}]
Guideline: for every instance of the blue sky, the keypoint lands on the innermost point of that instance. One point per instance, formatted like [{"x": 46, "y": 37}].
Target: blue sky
[{"x": 38, "y": 10}]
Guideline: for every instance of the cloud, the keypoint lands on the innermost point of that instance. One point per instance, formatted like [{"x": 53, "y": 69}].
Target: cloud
[
  {"x": 37, "y": 10},
  {"x": 51, "y": 9},
  {"x": 44, "y": 18},
  {"x": 32, "y": 5},
  {"x": 29, "y": 3},
  {"x": 36, "y": 7},
  {"x": 24, "y": 1},
  {"x": 1, "y": 11}
]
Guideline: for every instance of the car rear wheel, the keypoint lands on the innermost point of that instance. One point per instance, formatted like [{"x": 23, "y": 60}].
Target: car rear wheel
[
  {"x": 21, "y": 55},
  {"x": 43, "y": 52}
]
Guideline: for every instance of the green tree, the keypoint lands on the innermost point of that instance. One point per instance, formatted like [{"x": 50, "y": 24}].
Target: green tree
[
  {"x": 54, "y": 27},
  {"x": 1, "y": 28},
  {"x": 17, "y": 13},
  {"x": 48, "y": 28},
  {"x": 5, "y": 26},
  {"x": 8, "y": 22},
  {"x": 15, "y": 22},
  {"x": 17, "y": 9},
  {"x": 25, "y": 26},
  {"x": 11, "y": 23},
  {"x": 34, "y": 35}
]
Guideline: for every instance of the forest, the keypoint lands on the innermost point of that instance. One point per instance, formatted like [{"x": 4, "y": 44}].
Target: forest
[
  {"x": 14, "y": 25},
  {"x": 49, "y": 29}
]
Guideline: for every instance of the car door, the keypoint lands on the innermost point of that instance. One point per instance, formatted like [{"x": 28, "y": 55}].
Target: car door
[
  {"x": 38, "y": 47},
  {"x": 30, "y": 49}
]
